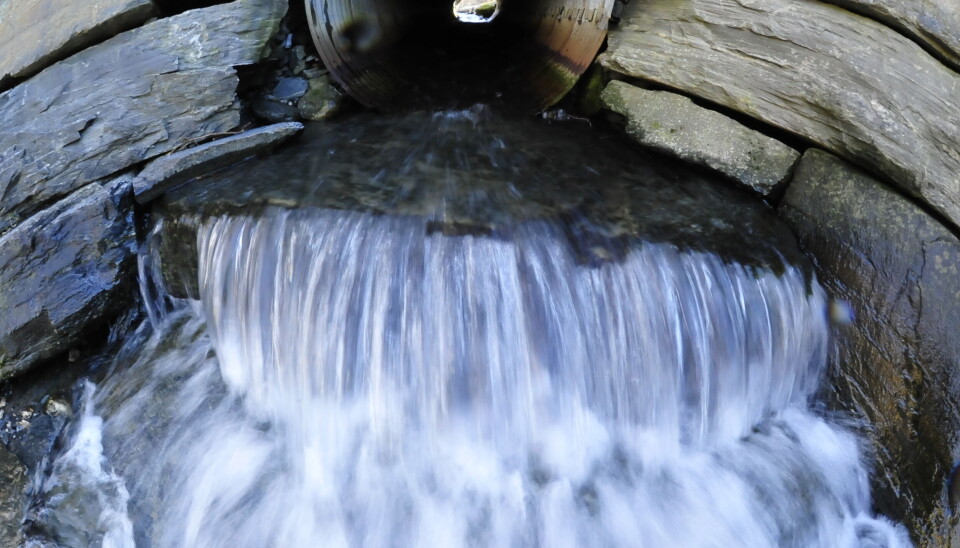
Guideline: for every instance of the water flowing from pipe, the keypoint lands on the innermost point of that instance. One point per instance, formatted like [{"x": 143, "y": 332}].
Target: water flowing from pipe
[{"x": 352, "y": 378}]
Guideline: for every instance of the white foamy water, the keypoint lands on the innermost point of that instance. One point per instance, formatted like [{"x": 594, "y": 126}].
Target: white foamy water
[
  {"x": 351, "y": 380},
  {"x": 86, "y": 502}
]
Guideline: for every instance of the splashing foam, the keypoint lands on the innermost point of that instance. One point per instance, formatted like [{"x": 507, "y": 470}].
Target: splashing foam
[
  {"x": 432, "y": 391},
  {"x": 375, "y": 384}
]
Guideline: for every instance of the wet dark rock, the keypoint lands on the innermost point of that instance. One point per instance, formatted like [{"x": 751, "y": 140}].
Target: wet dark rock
[
  {"x": 275, "y": 112},
  {"x": 35, "y": 440},
  {"x": 63, "y": 271},
  {"x": 13, "y": 487},
  {"x": 173, "y": 169},
  {"x": 898, "y": 270},
  {"x": 35, "y": 34},
  {"x": 140, "y": 94},
  {"x": 850, "y": 84},
  {"x": 673, "y": 124},
  {"x": 933, "y": 23}
]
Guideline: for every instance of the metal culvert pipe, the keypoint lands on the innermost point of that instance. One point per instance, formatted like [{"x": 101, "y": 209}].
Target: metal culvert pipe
[{"x": 398, "y": 54}]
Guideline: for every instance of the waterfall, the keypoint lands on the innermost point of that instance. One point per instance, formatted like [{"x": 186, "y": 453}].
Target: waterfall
[
  {"x": 466, "y": 359},
  {"x": 350, "y": 379},
  {"x": 502, "y": 336}
]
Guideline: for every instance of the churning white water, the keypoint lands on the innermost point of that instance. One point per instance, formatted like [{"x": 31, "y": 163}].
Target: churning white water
[{"x": 350, "y": 379}]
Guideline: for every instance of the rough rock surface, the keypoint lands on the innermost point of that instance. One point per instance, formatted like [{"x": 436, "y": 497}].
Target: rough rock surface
[
  {"x": 673, "y": 124},
  {"x": 35, "y": 33},
  {"x": 846, "y": 82},
  {"x": 62, "y": 271},
  {"x": 13, "y": 486},
  {"x": 138, "y": 95},
  {"x": 899, "y": 270},
  {"x": 933, "y": 23},
  {"x": 169, "y": 171}
]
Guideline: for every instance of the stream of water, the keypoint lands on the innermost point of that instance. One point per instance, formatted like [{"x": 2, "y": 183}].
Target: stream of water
[{"x": 356, "y": 379}]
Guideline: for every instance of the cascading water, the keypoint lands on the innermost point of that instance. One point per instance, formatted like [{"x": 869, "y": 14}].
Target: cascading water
[{"x": 349, "y": 378}]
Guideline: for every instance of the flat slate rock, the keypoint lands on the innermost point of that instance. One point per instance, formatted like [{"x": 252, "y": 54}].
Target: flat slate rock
[
  {"x": 62, "y": 271},
  {"x": 845, "y": 82},
  {"x": 935, "y": 24},
  {"x": 138, "y": 95},
  {"x": 171, "y": 170},
  {"x": 673, "y": 124},
  {"x": 898, "y": 270},
  {"x": 34, "y": 34}
]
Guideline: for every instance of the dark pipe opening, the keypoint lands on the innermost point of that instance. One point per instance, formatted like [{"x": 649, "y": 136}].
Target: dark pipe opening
[
  {"x": 173, "y": 7},
  {"x": 476, "y": 11},
  {"x": 395, "y": 54}
]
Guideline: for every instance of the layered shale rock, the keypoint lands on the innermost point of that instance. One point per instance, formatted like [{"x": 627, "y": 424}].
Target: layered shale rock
[
  {"x": 35, "y": 33},
  {"x": 935, "y": 24},
  {"x": 845, "y": 82},
  {"x": 62, "y": 271},
  {"x": 898, "y": 269},
  {"x": 140, "y": 94},
  {"x": 672, "y": 124}
]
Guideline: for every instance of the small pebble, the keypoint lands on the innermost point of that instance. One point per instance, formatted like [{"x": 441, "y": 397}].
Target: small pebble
[{"x": 57, "y": 408}]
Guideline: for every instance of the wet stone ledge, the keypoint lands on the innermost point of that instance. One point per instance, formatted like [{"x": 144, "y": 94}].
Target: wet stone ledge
[
  {"x": 475, "y": 173},
  {"x": 168, "y": 171}
]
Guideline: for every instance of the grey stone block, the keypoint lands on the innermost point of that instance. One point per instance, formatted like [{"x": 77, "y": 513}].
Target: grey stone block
[{"x": 673, "y": 124}]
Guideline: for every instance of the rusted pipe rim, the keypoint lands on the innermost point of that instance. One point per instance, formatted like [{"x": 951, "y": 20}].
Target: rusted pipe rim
[{"x": 397, "y": 54}]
